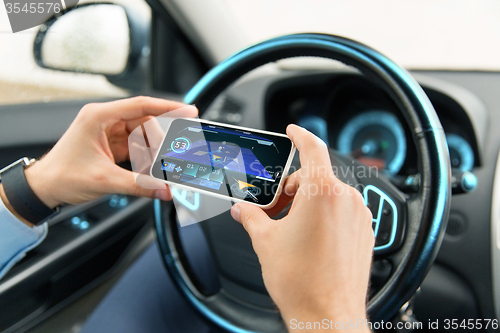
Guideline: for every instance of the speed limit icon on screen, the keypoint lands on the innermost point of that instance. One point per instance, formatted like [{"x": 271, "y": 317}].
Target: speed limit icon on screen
[{"x": 180, "y": 145}]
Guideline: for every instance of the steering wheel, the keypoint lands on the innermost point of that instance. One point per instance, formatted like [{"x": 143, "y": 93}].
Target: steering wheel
[{"x": 409, "y": 228}]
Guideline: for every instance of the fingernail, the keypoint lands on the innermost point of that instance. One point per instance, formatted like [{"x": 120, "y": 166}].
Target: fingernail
[
  {"x": 289, "y": 129},
  {"x": 235, "y": 213}
]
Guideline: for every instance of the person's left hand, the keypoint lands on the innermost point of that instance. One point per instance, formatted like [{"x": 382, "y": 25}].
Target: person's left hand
[{"x": 82, "y": 165}]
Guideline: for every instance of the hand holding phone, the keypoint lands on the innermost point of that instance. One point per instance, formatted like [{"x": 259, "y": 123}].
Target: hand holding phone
[{"x": 226, "y": 161}]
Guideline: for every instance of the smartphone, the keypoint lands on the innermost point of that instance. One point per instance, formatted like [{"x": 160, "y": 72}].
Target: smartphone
[{"x": 236, "y": 163}]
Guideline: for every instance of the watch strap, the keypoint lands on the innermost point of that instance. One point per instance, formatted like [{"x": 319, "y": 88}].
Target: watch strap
[{"x": 21, "y": 196}]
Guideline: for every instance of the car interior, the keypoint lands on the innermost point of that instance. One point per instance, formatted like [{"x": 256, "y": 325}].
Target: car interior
[{"x": 437, "y": 259}]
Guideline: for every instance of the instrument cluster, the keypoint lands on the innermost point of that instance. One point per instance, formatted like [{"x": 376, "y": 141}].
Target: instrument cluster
[{"x": 357, "y": 118}]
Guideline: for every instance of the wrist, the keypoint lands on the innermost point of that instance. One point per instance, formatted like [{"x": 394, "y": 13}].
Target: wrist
[{"x": 40, "y": 183}]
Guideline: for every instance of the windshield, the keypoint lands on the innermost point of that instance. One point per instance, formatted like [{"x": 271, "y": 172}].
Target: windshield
[{"x": 425, "y": 34}]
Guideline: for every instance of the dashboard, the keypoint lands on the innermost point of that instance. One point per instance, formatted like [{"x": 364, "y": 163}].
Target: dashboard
[
  {"x": 465, "y": 279},
  {"x": 357, "y": 118}
]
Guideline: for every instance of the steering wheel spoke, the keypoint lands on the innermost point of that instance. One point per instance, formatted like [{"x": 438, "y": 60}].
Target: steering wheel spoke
[
  {"x": 388, "y": 206},
  {"x": 386, "y": 202}
]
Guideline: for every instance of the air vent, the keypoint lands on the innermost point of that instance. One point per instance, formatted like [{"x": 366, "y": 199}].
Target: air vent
[
  {"x": 457, "y": 224},
  {"x": 227, "y": 110},
  {"x": 231, "y": 104}
]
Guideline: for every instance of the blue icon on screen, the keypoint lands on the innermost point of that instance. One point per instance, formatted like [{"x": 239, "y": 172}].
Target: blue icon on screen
[{"x": 168, "y": 166}]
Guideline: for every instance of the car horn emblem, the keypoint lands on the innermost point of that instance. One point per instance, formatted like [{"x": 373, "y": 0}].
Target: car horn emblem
[{"x": 25, "y": 14}]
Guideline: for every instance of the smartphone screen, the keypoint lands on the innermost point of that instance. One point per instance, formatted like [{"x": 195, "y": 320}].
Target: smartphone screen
[{"x": 233, "y": 162}]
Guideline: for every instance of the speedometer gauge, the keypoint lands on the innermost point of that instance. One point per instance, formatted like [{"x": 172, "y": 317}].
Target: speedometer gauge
[
  {"x": 461, "y": 153},
  {"x": 375, "y": 138}
]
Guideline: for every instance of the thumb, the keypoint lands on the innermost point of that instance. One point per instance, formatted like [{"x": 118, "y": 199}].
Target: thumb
[
  {"x": 250, "y": 216},
  {"x": 124, "y": 182}
]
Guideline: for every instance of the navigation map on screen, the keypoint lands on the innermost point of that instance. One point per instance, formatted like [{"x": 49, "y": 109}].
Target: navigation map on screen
[{"x": 233, "y": 162}]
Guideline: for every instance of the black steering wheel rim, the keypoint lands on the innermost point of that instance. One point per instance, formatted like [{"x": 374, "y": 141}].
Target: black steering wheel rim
[{"x": 430, "y": 206}]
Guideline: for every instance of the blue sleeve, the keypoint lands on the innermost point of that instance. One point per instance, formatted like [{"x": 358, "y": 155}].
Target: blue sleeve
[{"x": 16, "y": 238}]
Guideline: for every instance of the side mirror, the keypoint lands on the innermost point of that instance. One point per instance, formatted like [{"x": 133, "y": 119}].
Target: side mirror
[{"x": 97, "y": 38}]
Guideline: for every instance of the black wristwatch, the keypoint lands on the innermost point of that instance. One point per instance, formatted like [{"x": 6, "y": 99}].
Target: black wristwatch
[{"x": 21, "y": 196}]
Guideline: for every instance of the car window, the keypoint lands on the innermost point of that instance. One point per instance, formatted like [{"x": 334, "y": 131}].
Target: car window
[{"x": 23, "y": 81}]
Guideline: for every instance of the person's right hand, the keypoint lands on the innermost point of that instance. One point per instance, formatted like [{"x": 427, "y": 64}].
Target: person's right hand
[{"x": 316, "y": 260}]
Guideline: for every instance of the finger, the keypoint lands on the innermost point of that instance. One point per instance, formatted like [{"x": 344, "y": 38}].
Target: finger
[
  {"x": 187, "y": 111},
  {"x": 137, "y": 107},
  {"x": 286, "y": 195},
  {"x": 134, "y": 123},
  {"x": 148, "y": 182},
  {"x": 141, "y": 156},
  {"x": 312, "y": 150},
  {"x": 123, "y": 182},
  {"x": 154, "y": 133},
  {"x": 250, "y": 216}
]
